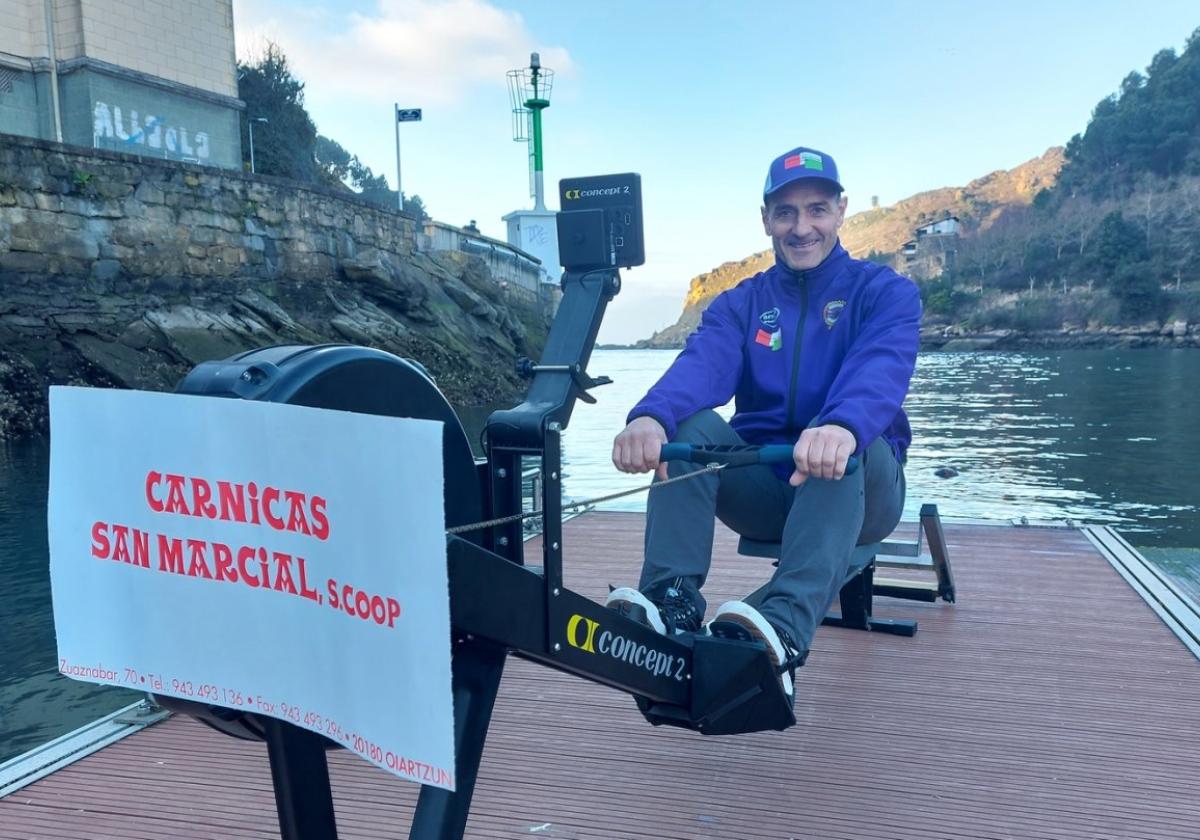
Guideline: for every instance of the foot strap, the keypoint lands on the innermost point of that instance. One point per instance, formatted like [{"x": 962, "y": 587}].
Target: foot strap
[{"x": 794, "y": 662}]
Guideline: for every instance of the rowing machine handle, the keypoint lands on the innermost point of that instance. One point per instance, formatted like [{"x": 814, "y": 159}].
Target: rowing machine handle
[{"x": 735, "y": 456}]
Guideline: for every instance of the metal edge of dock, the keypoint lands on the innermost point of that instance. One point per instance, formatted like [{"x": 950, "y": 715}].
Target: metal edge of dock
[
  {"x": 1176, "y": 609},
  {"x": 27, "y": 768}
]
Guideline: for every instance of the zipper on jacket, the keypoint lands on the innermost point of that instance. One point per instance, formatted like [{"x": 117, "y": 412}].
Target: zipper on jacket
[{"x": 799, "y": 339}]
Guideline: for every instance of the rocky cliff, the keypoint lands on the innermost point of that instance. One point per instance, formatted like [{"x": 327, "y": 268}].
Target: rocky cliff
[
  {"x": 883, "y": 230},
  {"x": 118, "y": 271}
]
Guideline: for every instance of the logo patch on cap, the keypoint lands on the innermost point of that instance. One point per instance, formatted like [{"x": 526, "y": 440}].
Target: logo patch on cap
[{"x": 807, "y": 160}]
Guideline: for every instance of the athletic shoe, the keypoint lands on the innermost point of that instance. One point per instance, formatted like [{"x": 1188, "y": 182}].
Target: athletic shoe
[
  {"x": 677, "y": 612},
  {"x": 741, "y": 622}
]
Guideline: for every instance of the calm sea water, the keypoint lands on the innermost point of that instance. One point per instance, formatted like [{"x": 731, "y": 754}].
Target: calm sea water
[{"x": 1095, "y": 436}]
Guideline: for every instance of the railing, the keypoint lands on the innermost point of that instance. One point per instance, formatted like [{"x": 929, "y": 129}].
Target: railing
[{"x": 507, "y": 263}]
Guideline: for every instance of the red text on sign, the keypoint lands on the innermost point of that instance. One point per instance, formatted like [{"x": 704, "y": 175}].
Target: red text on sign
[{"x": 283, "y": 510}]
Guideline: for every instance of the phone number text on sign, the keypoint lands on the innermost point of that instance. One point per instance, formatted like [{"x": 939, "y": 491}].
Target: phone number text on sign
[{"x": 256, "y": 702}]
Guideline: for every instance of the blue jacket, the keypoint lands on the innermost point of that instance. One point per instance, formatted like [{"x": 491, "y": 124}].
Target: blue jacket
[{"x": 836, "y": 344}]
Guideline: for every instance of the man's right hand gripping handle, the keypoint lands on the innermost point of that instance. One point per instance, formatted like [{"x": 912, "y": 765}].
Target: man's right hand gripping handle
[{"x": 636, "y": 448}]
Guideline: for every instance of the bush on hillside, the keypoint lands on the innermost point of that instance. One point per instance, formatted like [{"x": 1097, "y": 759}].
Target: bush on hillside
[
  {"x": 946, "y": 296},
  {"x": 1138, "y": 290},
  {"x": 1184, "y": 305},
  {"x": 1028, "y": 313}
]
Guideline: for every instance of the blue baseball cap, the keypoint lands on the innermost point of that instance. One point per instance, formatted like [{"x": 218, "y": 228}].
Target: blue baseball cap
[{"x": 800, "y": 163}]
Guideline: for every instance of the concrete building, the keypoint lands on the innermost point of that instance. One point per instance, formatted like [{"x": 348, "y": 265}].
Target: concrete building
[
  {"x": 156, "y": 78},
  {"x": 536, "y": 232}
]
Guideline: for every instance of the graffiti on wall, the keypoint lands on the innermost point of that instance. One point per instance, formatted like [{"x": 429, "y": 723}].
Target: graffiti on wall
[{"x": 133, "y": 129}]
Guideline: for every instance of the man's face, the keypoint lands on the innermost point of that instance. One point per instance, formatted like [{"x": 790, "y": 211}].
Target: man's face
[{"x": 802, "y": 220}]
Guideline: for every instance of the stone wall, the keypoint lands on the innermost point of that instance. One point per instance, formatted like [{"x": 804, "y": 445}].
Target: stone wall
[
  {"x": 116, "y": 270},
  {"x": 113, "y": 217}
]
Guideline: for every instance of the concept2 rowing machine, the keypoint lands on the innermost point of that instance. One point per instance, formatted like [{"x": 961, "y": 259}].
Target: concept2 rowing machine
[{"x": 498, "y": 604}]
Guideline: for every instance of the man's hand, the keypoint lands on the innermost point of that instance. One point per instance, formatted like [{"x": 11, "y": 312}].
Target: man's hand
[
  {"x": 822, "y": 452},
  {"x": 636, "y": 448}
]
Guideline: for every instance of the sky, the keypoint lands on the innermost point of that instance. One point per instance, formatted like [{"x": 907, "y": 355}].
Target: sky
[{"x": 698, "y": 97}]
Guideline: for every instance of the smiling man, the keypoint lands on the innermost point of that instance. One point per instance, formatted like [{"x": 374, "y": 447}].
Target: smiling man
[{"x": 816, "y": 352}]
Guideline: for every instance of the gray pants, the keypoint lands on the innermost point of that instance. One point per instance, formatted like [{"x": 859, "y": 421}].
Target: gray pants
[{"x": 818, "y": 523}]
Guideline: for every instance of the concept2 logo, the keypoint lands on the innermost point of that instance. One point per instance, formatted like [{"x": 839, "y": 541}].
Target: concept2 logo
[
  {"x": 588, "y": 640},
  {"x": 595, "y": 192},
  {"x": 582, "y": 634}
]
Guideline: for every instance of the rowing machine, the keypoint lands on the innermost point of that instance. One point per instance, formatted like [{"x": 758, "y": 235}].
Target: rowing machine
[{"x": 711, "y": 685}]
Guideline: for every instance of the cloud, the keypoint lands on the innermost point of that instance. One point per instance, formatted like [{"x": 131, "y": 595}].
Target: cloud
[{"x": 434, "y": 51}]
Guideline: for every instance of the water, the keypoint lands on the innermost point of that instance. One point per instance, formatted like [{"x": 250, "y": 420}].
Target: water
[
  {"x": 36, "y": 704},
  {"x": 1095, "y": 436}
]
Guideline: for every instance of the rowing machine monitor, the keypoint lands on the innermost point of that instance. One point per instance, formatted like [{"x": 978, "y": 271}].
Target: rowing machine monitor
[{"x": 600, "y": 224}]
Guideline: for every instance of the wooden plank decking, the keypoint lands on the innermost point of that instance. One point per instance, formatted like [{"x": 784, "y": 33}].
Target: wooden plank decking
[{"x": 1050, "y": 702}]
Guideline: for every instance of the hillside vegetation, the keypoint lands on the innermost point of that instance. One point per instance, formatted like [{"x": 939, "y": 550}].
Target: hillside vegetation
[{"x": 1115, "y": 240}]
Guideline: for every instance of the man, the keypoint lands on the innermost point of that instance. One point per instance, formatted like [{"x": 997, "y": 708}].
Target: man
[{"x": 817, "y": 351}]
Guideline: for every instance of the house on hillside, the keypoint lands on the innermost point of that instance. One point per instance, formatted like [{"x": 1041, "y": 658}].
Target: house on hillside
[
  {"x": 933, "y": 247},
  {"x": 948, "y": 226}
]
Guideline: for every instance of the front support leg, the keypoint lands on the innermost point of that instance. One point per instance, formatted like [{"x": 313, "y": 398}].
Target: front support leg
[{"x": 475, "y": 678}]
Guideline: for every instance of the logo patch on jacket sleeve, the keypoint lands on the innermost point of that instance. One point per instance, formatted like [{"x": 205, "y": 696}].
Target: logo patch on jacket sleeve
[
  {"x": 773, "y": 340},
  {"x": 833, "y": 310}
]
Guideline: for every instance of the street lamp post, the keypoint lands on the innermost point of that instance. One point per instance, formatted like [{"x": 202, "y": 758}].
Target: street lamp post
[{"x": 251, "y": 123}]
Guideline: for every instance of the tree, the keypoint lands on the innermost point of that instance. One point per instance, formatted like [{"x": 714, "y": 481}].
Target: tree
[
  {"x": 1163, "y": 61},
  {"x": 288, "y": 145},
  {"x": 1152, "y": 124},
  {"x": 285, "y": 145},
  {"x": 415, "y": 207},
  {"x": 1119, "y": 243},
  {"x": 333, "y": 161},
  {"x": 1138, "y": 289}
]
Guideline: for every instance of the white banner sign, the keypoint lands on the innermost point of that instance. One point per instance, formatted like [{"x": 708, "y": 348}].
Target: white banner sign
[{"x": 271, "y": 558}]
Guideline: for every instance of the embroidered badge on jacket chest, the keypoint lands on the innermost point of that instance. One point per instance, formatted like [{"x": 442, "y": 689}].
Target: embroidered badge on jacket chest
[{"x": 832, "y": 312}]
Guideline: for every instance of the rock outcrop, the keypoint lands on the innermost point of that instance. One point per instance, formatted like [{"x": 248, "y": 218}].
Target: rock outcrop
[{"x": 117, "y": 271}]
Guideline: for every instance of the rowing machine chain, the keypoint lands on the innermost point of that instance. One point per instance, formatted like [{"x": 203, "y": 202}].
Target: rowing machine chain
[{"x": 516, "y": 517}]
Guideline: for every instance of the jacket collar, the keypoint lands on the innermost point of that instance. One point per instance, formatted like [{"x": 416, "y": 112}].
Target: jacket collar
[{"x": 829, "y": 268}]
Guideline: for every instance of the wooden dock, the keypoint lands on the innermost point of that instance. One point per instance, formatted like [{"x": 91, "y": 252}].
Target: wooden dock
[{"x": 1052, "y": 701}]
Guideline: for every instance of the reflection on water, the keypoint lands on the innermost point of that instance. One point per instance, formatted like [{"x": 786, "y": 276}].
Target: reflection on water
[
  {"x": 1098, "y": 436},
  {"x": 36, "y": 704}
]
